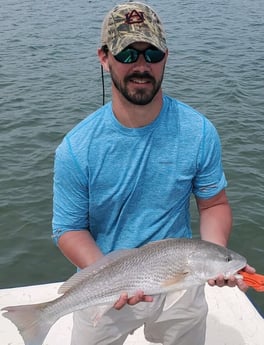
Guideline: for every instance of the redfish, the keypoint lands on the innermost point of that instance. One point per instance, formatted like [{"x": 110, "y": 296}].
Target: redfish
[{"x": 155, "y": 268}]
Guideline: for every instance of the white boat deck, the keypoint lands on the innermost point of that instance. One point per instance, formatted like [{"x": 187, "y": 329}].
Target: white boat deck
[{"x": 232, "y": 319}]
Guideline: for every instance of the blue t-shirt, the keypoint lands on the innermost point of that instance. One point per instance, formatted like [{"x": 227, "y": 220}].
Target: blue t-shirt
[{"x": 129, "y": 186}]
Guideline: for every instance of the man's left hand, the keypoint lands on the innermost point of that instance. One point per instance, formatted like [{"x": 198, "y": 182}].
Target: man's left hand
[{"x": 232, "y": 280}]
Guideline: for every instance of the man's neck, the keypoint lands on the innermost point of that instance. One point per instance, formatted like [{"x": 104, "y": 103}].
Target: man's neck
[{"x": 135, "y": 116}]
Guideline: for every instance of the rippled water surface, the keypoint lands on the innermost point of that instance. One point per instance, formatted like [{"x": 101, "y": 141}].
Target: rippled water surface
[{"x": 50, "y": 79}]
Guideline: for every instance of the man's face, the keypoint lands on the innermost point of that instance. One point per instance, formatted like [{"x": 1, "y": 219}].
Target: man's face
[{"x": 138, "y": 82}]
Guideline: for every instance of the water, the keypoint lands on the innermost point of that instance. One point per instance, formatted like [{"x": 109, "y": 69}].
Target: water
[{"x": 50, "y": 80}]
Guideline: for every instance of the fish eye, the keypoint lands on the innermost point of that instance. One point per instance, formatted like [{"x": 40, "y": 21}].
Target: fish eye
[{"x": 228, "y": 258}]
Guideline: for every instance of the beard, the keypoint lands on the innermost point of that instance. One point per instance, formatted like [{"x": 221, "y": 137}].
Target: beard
[{"x": 137, "y": 96}]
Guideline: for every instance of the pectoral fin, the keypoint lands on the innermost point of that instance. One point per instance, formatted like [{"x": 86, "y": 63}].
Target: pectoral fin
[
  {"x": 172, "y": 298},
  {"x": 178, "y": 278}
]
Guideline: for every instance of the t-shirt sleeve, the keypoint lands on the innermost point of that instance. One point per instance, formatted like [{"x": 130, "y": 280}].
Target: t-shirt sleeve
[
  {"x": 210, "y": 178},
  {"x": 70, "y": 192}
]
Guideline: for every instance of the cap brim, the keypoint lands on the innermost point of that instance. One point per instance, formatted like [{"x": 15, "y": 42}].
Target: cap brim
[{"x": 133, "y": 38}]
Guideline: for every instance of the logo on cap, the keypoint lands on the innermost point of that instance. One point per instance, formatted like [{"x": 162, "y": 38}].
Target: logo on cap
[{"x": 134, "y": 17}]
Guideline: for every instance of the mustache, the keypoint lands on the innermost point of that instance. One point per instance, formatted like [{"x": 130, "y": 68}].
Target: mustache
[{"x": 138, "y": 75}]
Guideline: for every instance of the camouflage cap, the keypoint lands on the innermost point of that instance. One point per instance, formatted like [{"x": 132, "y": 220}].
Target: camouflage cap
[{"x": 132, "y": 22}]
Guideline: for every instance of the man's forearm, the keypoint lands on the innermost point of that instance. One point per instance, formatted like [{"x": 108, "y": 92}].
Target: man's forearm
[
  {"x": 79, "y": 247},
  {"x": 215, "y": 219},
  {"x": 216, "y": 224}
]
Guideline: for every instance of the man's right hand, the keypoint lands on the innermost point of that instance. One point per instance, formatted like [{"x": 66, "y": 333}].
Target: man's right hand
[{"x": 139, "y": 297}]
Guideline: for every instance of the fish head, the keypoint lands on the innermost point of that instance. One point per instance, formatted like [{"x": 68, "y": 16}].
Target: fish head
[{"x": 212, "y": 260}]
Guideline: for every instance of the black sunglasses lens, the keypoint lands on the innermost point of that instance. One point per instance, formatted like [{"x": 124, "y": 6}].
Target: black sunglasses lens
[
  {"x": 131, "y": 55},
  {"x": 154, "y": 55},
  {"x": 127, "y": 56}
]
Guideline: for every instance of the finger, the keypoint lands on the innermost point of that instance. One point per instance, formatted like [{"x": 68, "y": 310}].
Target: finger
[
  {"x": 139, "y": 297},
  {"x": 220, "y": 281},
  {"x": 242, "y": 285},
  {"x": 211, "y": 282},
  {"x": 123, "y": 299},
  {"x": 148, "y": 298},
  {"x": 249, "y": 269},
  {"x": 231, "y": 281}
]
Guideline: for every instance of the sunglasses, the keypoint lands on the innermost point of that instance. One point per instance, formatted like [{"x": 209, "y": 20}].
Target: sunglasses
[{"x": 131, "y": 55}]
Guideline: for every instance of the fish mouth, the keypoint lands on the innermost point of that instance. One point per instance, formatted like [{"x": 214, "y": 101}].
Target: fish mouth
[{"x": 235, "y": 270}]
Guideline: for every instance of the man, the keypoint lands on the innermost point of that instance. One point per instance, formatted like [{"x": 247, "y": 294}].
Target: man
[{"x": 124, "y": 177}]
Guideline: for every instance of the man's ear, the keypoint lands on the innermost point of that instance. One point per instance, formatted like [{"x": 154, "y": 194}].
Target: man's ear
[{"x": 103, "y": 58}]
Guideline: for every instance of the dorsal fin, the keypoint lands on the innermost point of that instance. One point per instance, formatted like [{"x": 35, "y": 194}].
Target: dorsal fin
[{"x": 94, "y": 268}]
